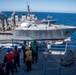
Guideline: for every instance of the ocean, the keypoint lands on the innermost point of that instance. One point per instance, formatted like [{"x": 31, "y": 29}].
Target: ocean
[{"x": 62, "y": 18}]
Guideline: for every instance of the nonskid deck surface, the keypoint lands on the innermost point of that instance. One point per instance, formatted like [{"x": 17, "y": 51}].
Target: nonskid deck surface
[{"x": 52, "y": 67}]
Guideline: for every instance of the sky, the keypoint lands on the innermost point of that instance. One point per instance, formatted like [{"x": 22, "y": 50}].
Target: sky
[{"x": 68, "y": 6}]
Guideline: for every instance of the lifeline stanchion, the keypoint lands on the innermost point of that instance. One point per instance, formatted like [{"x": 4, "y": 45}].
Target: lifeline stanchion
[
  {"x": 28, "y": 42},
  {"x": 66, "y": 46},
  {"x": 60, "y": 66},
  {"x": 12, "y": 42}
]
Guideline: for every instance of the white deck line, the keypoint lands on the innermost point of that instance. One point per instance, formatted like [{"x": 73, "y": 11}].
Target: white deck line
[{"x": 57, "y": 52}]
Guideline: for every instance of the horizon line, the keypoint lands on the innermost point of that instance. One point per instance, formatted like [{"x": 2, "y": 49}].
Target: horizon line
[{"x": 37, "y": 11}]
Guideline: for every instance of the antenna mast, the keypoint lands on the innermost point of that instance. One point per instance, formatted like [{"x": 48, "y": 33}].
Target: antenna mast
[{"x": 28, "y": 9}]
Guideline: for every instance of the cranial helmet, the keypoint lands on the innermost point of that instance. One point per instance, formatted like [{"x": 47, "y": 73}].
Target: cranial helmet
[
  {"x": 27, "y": 48},
  {"x": 15, "y": 47},
  {"x": 24, "y": 41},
  {"x": 8, "y": 49}
]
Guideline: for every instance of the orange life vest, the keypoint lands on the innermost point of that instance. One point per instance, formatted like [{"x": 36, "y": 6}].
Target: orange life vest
[
  {"x": 16, "y": 53},
  {"x": 9, "y": 57}
]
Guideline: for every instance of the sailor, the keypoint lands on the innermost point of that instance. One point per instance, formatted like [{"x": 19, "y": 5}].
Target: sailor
[
  {"x": 16, "y": 58},
  {"x": 2, "y": 69},
  {"x": 34, "y": 48},
  {"x": 8, "y": 60},
  {"x": 24, "y": 50},
  {"x": 28, "y": 58}
]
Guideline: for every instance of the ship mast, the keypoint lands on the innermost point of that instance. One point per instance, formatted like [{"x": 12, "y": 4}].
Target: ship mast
[{"x": 28, "y": 9}]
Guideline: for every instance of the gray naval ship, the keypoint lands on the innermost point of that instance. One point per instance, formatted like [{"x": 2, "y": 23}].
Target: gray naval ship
[{"x": 30, "y": 28}]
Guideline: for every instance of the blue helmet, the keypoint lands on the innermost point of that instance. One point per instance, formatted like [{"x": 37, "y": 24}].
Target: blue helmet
[
  {"x": 8, "y": 49},
  {"x": 15, "y": 47},
  {"x": 24, "y": 41}
]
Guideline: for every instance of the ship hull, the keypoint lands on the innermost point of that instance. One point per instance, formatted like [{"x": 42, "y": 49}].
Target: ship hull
[{"x": 54, "y": 34}]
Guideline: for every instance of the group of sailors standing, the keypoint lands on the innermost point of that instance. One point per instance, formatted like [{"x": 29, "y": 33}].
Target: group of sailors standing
[{"x": 11, "y": 60}]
